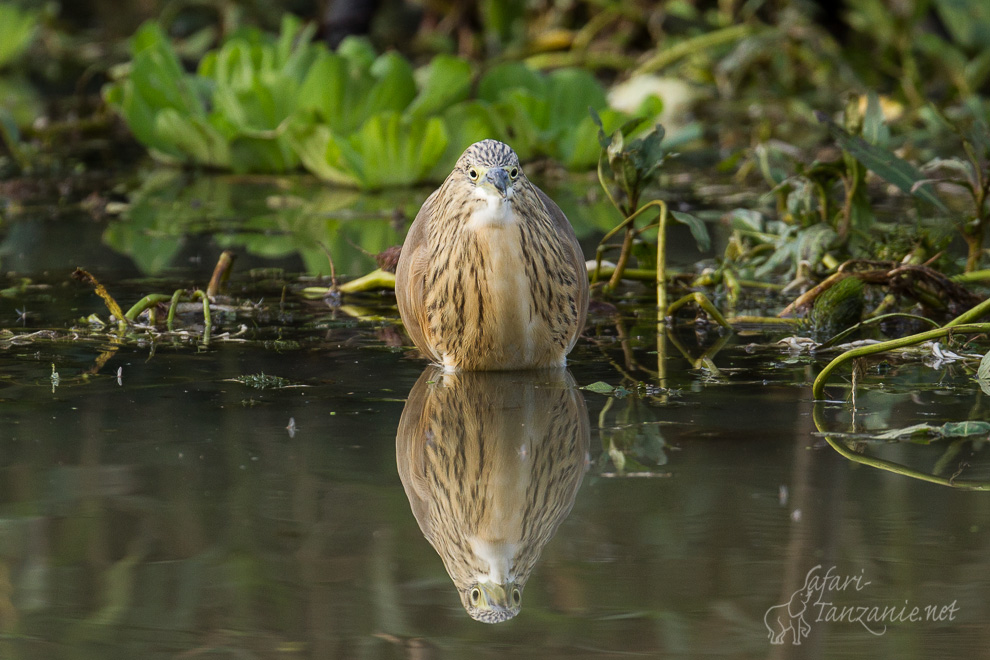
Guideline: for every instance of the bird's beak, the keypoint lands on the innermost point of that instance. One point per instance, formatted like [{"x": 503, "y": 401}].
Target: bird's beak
[
  {"x": 499, "y": 179},
  {"x": 494, "y": 596}
]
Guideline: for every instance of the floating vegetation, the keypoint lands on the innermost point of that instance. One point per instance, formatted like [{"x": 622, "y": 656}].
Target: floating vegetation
[
  {"x": 352, "y": 117},
  {"x": 601, "y": 387},
  {"x": 263, "y": 381}
]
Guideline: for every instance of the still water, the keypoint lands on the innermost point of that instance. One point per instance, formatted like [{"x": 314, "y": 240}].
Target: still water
[{"x": 151, "y": 506}]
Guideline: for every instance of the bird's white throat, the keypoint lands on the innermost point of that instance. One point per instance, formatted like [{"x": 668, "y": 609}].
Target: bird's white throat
[
  {"x": 497, "y": 210},
  {"x": 498, "y": 555}
]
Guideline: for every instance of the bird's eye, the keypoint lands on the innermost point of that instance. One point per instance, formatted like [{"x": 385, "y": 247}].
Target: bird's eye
[
  {"x": 475, "y": 593},
  {"x": 473, "y": 174},
  {"x": 516, "y": 597},
  {"x": 514, "y": 172}
]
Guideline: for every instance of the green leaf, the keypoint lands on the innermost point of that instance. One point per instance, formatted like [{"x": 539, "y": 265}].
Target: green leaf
[
  {"x": 578, "y": 148},
  {"x": 964, "y": 429},
  {"x": 604, "y": 140},
  {"x": 648, "y": 153},
  {"x": 569, "y": 93},
  {"x": 320, "y": 152},
  {"x": 447, "y": 81},
  {"x": 394, "y": 86},
  {"x": 17, "y": 30},
  {"x": 388, "y": 150},
  {"x": 599, "y": 387},
  {"x": 398, "y": 151},
  {"x": 968, "y": 22},
  {"x": 875, "y": 131},
  {"x": 895, "y": 434},
  {"x": 883, "y": 163},
  {"x": 983, "y": 372},
  {"x": 502, "y": 79},
  {"x": 746, "y": 219},
  {"x": 325, "y": 91},
  {"x": 698, "y": 229},
  {"x": 358, "y": 52},
  {"x": 194, "y": 137}
]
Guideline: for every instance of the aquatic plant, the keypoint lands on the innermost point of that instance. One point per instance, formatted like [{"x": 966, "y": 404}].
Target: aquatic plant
[
  {"x": 230, "y": 114},
  {"x": 352, "y": 117},
  {"x": 972, "y": 175},
  {"x": 625, "y": 168}
]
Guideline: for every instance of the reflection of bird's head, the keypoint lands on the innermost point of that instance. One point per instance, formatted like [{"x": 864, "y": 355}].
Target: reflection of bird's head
[
  {"x": 492, "y": 603},
  {"x": 490, "y": 168},
  {"x": 491, "y": 463}
]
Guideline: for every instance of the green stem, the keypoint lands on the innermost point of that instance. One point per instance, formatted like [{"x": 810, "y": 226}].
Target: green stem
[
  {"x": 704, "y": 303},
  {"x": 207, "y": 320},
  {"x": 766, "y": 320},
  {"x": 620, "y": 265},
  {"x": 632, "y": 218},
  {"x": 170, "y": 319},
  {"x": 872, "y": 321},
  {"x": 585, "y": 60},
  {"x": 970, "y": 315},
  {"x": 890, "y": 466},
  {"x": 661, "y": 258},
  {"x": 973, "y": 276},
  {"x": 704, "y": 42},
  {"x": 818, "y": 389},
  {"x": 376, "y": 279},
  {"x": 149, "y": 300},
  {"x": 637, "y": 274}
]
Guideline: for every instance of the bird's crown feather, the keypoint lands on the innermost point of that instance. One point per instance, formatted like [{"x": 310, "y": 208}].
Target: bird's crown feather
[{"x": 488, "y": 153}]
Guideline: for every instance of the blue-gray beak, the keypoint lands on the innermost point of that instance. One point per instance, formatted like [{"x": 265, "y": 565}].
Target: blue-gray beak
[{"x": 499, "y": 178}]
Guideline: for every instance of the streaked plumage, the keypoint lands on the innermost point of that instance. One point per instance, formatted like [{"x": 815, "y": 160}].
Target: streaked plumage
[
  {"x": 491, "y": 275},
  {"x": 491, "y": 464}
]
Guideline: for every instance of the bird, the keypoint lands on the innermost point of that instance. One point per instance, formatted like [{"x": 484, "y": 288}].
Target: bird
[
  {"x": 491, "y": 275},
  {"x": 491, "y": 463}
]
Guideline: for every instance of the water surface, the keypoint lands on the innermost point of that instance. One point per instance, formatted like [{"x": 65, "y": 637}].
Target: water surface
[{"x": 173, "y": 512}]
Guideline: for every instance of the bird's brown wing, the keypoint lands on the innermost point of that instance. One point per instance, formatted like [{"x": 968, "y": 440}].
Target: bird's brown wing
[
  {"x": 410, "y": 450},
  {"x": 410, "y": 278},
  {"x": 566, "y": 231}
]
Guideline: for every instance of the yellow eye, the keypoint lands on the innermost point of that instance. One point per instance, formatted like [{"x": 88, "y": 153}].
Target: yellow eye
[
  {"x": 473, "y": 174},
  {"x": 514, "y": 172},
  {"x": 476, "y": 592}
]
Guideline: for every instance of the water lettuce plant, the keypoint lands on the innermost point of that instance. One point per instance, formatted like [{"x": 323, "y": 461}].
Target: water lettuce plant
[
  {"x": 353, "y": 117},
  {"x": 230, "y": 114}
]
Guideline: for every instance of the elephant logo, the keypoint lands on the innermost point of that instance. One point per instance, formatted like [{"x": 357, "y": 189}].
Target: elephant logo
[{"x": 789, "y": 616}]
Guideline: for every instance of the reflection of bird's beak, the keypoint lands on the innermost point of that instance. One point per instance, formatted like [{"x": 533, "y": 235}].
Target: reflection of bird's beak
[
  {"x": 494, "y": 596},
  {"x": 499, "y": 179}
]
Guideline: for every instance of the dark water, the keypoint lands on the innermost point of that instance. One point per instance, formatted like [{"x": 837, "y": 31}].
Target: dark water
[{"x": 175, "y": 513}]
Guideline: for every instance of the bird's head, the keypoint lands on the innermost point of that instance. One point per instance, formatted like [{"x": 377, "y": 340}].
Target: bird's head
[
  {"x": 491, "y": 168},
  {"x": 492, "y": 603}
]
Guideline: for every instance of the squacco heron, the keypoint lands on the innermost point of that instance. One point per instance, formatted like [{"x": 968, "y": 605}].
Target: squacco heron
[
  {"x": 491, "y": 275},
  {"x": 491, "y": 464}
]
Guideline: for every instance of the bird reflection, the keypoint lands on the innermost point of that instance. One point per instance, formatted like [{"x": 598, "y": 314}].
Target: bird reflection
[{"x": 491, "y": 463}]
